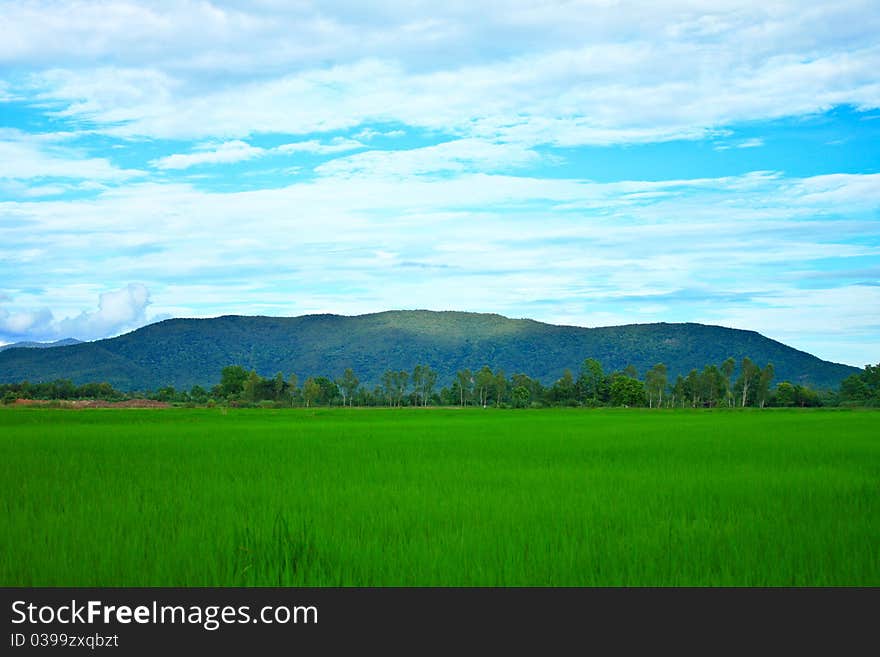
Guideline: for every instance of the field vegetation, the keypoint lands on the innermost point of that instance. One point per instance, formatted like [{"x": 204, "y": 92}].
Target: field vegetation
[{"x": 415, "y": 496}]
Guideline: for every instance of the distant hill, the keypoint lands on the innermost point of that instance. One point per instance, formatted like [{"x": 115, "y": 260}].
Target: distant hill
[
  {"x": 40, "y": 345},
  {"x": 184, "y": 352}
]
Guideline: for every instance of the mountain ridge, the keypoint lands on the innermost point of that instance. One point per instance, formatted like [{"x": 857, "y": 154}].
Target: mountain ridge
[
  {"x": 186, "y": 351},
  {"x": 29, "y": 344}
]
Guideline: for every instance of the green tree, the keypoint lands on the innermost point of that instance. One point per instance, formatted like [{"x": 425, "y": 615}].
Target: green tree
[
  {"x": 727, "y": 369},
  {"x": 348, "y": 384},
  {"x": 464, "y": 380},
  {"x": 311, "y": 391},
  {"x": 232, "y": 380},
  {"x": 520, "y": 396},
  {"x": 484, "y": 380},
  {"x": 249, "y": 393},
  {"x": 429, "y": 380},
  {"x": 401, "y": 385},
  {"x": 278, "y": 385},
  {"x": 748, "y": 373},
  {"x": 763, "y": 388},
  {"x": 591, "y": 383},
  {"x": 627, "y": 391},
  {"x": 500, "y": 386},
  {"x": 389, "y": 386},
  {"x": 785, "y": 394},
  {"x": 854, "y": 389},
  {"x": 292, "y": 388},
  {"x": 564, "y": 390},
  {"x": 655, "y": 384},
  {"x": 679, "y": 391},
  {"x": 417, "y": 382}
]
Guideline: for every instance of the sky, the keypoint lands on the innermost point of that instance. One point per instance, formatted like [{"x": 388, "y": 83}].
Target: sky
[{"x": 590, "y": 163}]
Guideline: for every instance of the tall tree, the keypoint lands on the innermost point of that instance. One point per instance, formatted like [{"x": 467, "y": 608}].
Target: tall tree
[
  {"x": 591, "y": 382},
  {"x": 278, "y": 385},
  {"x": 764, "y": 380},
  {"x": 727, "y": 369},
  {"x": 747, "y": 373},
  {"x": 389, "y": 386},
  {"x": 500, "y": 386},
  {"x": 484, "y": 379},
  {"x": 311, "y": 391},
  {"x": 464, "y": 380},
  {"x": 429, "y": 380},
  {"x": 348, "y": 385},
  {"x": 250, "y": 386},
  {"x": 655, "y": 384},
  {"x": 418, "y": 382},
  {"x": 293, "y": 383},
  {"x": 401, "y": 384}
]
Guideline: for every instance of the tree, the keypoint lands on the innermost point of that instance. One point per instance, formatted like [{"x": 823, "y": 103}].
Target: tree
[
  {"x": 627, "y": 391},
  {"x": 348, "y": 384},
  {"x": 564, "y": 390},
  {"x": 520, "y": 396},
  {"x": 293, "y": 387},
  {"x": 747, "y": 374},
  {"x": 429, "y": 380},
  {"x": 854, "y": 389},
  {"x": 727, "y": 369},
  {"x": 417, "y": 381},
  {"x": 691, "y": 387},
  {"x": 329, "y": 390},
  {"x": 249, "y": 393},
  {"x": 679, "y": 391},
  {"x": 232, "y": 379},
  {"x": 763, "y": 388},
  {"x": 500, "y": 387},
  {"x": 278, "y": 384},
  {"x": 464, "y": 380},
  {"x": 591, "y": 382},
  {"x": 389, "y": 380},
  {"x": 655, "y": 384},
  {"x": 311, "y": 391},
  {"x": 401, "y": 385},
  {"x": 423, "y": 381},
  {"x": 711, "y": 385},
  {"x": 785, "y": 394},
  {"x": 484, "y": 379}
]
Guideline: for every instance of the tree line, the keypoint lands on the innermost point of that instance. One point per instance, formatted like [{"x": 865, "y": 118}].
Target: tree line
[{"x": 728, "y": 384}]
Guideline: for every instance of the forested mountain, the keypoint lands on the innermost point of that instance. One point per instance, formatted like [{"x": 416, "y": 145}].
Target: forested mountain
[{"x": 186, "y": 352}]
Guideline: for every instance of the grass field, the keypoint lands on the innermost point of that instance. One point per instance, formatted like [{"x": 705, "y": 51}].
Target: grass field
[{"x": 381, "y": 497}]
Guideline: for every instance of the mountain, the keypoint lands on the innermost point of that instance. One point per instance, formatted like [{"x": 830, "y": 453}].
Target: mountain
[
  {"x": 40, "y": 345},
  {"x": 184, "y": 352}
]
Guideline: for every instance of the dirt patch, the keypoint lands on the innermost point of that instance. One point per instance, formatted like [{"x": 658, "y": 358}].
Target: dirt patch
[{"x": 93, "y": 403}]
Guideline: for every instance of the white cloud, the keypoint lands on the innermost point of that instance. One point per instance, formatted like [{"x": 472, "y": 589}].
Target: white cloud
[
  {"x": 369, "y": 133},
  {"x": 335, "y": 145},
  {"x": 754, "y": 142},
  {"x": 610, "y": 73},
  {"x": 452, "y": 156},
  {"x": 225, "y": 153},
  {"x": 23, "y": 157},
  {"x": 117, "y": 311}
]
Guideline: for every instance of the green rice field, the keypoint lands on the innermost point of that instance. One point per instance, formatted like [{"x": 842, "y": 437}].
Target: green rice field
[{"x": 439, "y": 497}]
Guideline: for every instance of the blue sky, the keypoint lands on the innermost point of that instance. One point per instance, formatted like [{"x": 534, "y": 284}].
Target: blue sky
[{"x": 590, "y": 163}]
